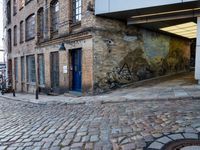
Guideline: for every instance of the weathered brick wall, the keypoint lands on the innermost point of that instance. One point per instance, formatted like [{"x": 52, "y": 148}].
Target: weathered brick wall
[
  {"x": 112, "y": 53},
  {"x": 124, "y": 54},
  {"x": 73, "y": 36}
]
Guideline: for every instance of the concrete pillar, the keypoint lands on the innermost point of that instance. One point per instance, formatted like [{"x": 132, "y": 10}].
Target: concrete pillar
[
  {"x": 63, "y": 70},
  {"x": 64, "y": 17},
  {"x": 197, "y": 61}
]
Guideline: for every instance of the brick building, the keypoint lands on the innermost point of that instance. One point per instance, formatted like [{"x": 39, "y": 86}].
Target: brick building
[{"x": 61, "y": 45}]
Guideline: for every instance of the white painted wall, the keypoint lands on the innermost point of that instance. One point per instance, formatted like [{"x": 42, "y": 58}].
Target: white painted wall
[
  {"x": 1, "y": 24},
  {"x": 106, "y": 6},
  {"x": 197, "y": 63}
]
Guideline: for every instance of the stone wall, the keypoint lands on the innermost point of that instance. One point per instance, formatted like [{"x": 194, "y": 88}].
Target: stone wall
[{"x": 129, "y": 54}]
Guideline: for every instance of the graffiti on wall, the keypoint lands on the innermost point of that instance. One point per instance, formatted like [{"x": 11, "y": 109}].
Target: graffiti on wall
[{"x": 159, "y": 56}]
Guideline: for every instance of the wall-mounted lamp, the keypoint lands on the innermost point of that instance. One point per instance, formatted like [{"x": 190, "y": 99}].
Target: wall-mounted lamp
[{"x": 62, "y": 47}]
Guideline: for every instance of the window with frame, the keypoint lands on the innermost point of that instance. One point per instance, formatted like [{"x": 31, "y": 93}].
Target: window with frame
[
  {"x": 22, "y": 69},
  {"x": 15, "y": 35},
  {"x": 9, "y": 34},
  {"x": 31, "y": 72},
  {"x": 41, "y": 24},
  {"x": 14, "y": 7},
  {"x": 41, "y": 66},
  {"x": 30, "y": 27},
  {"x": 76, "y": 11},
  {"x": 8, "y": 12},
  {"x": 16, "y": 69},
  {"x": 21, "y": 30},
  {"x": 54, "y": 16}
]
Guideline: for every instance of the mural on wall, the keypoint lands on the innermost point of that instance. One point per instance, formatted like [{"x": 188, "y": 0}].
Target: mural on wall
[{"x": 157, "y": 55}]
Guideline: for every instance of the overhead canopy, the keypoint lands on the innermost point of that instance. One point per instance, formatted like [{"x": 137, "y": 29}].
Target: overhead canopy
[
  {"x": 120, "y": 9},
  {"x": 188, "y": 30},
  {"x": 172, "y": 16}
]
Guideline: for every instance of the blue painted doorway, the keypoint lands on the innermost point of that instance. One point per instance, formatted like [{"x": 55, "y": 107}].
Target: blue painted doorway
[{"x": 77, "y": 70}]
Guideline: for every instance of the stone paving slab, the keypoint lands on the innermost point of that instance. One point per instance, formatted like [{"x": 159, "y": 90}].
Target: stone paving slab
[{"x": 182, "y": 87}]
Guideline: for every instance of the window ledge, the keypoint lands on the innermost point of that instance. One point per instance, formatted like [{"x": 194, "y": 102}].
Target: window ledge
[
  {"x": 29, "y": 39},
  {"x": 76, "y": 24},
  {"x": 21, "y": 8},
  {"x": 42, "y": 85},
  {"x": 31, "y": 83}
]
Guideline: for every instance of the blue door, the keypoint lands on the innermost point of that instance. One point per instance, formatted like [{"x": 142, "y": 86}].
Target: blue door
[{"x": 77, "y": 70}]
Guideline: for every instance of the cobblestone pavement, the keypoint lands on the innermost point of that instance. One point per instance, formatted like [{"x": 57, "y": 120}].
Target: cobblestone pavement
[{"x": 128, "y": 125}]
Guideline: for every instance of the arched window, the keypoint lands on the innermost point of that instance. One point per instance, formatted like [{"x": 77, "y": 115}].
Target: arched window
[
  {"x": 8, "y": 10},
  {"x": 15, "y": 35},
  {"x": 54, "y": 16},
  {"x": 30, "y": 27},
  {"x": 9, "y": 34},
  {"x": 21, "y": 30},
  {"x": 40, "y": 27}
]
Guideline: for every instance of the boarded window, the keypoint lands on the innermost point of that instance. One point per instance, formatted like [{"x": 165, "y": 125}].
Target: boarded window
[
  {"x": 16, "y": 69},
  {"x": 40, "y": 23},
  {"x": 41, "y": 74},
  {"x": 30, "y": 27},
  {"x": 22, "y": 69},
  {"x": 77, "y": 10},
  {"x": 31, "y": 76}
]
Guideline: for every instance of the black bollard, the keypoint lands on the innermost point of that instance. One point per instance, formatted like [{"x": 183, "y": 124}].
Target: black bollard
[
  {"x": 13, "y": 93},
  {"x": 36, "y": 94}
]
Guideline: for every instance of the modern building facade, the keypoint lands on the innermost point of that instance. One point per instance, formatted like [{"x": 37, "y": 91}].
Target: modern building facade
[{"x": 92, "y": 46}]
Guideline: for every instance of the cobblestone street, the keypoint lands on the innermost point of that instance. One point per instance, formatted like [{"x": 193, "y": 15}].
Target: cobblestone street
[{"x": 127, "y": 125}]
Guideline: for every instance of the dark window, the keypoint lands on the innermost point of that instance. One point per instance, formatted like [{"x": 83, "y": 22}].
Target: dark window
[
  {"x": 15, "y": 36},
  {"x": 55, "y": 17},
  {"x": 14, "y": 7},
  {"x": 22, "y": 69},
  {"x": 16, "y": 69},
  {"x": 9, "y": 41},
  {"x": 41, "y": 74},
  {"x": 41, "y": 24},
  {"x": 30, "y": 27},
  {"x": 31, "y": 76},
  {"x": 8, "y": 12},
  {"x": 77, "y": 11},
  {"x": 21, "y": 32}
]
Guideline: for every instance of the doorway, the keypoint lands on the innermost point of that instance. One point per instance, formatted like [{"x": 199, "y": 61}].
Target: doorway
[
  {"x": 76, "y": 60},
  {"x": 10, "y": 71},
  {"x": 54, "y": 57}
]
